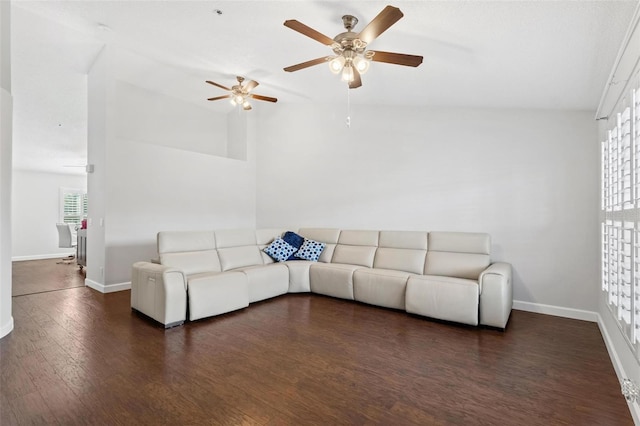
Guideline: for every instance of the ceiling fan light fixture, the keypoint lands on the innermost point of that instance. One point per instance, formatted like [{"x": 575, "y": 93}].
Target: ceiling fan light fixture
[
  {"x": 239, "y": 99},
  {"x": 246, "y": 106},
  {"x": 336, "y": 64},
  {"x": 347, "y": 73},
  {"x": 361, "y": 64}
]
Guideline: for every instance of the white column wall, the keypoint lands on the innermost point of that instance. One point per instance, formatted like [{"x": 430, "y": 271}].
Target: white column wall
[
  {"x": 6, "y": 114},
  {"x": 101, "y": 88},
  {"x": 527, "y": 177},
  {"x": 143, "y": 184}
]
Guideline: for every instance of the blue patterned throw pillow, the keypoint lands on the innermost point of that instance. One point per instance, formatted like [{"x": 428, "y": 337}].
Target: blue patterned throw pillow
[
  {"x": 310, "y": 250},
  {"x": 280, "y": 250},
  {"x": 295, "y": 240}
]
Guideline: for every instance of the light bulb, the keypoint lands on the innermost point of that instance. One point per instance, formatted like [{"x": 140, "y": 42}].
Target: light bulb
[
  {"x": 347, "y": 74},
  {"x": 361, "y": 64},
  {"x": 233, "y": 102},
  {"x": 336, "y": 64},
  {"x": 239, "y": 99}
]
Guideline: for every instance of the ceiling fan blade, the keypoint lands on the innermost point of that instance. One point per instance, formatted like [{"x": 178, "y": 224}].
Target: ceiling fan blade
[
  {"x": 389, "y": 16},
  {"x": 308, "y": 31},
  {"x": 219, "y": 85},
  {"x": 357, "y": 81},
  {"x": 250, "y": 85},
  {"x": 219, "y": 97},
  {"x": 307, "y": 64},
  {"x": 396, "y": 58},
  {"x": 263, "y": 98}
]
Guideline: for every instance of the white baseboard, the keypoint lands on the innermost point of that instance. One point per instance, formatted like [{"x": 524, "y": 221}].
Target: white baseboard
[
  {"x": 42, "y": 256},
  {"x": 617, "y": 366},
  {"x": 6, "y": 328},
  {"x": 109, "y": 288},
  {"x": 557, "y": 311}
]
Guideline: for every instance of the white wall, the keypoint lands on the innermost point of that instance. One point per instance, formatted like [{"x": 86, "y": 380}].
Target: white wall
[
  {"x": 6, "y": 114},
  {"x": 526, "y": 177},
  {"x": 36, "y": 210},
  {"x": 170, "y": 185},
  {"x": 147, "y": 116}
]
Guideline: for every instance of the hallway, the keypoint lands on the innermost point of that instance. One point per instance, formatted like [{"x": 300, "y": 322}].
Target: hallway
[{"x": 40, "y": 276}]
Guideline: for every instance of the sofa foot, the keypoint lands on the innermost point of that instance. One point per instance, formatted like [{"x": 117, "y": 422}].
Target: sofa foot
[
  {"x": 143, "y": 315},
  {"x": 492, "y": 327}
]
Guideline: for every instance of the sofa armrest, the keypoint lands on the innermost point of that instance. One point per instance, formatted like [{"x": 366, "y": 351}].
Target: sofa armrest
[
  {"x": 496, "y": 295},
  {"x": 159, "y": 292}
]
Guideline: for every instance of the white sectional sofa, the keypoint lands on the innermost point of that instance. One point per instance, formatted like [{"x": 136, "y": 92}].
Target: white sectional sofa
[{"x": 443, "y": 275}]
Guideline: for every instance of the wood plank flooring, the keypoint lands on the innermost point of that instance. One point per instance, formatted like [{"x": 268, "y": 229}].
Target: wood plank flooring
[
  {"x": 79, "y": 357},
  {"x": 37, "y": 276}
]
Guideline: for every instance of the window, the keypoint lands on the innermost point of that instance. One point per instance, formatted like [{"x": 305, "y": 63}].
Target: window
[
  {"x": 620, "y": 203},
  {"x": 73, "y": 205}
]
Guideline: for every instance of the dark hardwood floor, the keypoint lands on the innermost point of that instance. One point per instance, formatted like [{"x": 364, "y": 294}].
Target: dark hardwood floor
[{"x": 77, "y": 356}]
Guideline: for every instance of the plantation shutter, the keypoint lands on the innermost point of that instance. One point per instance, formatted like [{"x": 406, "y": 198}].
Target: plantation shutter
[
  {"x": 73, "y": 205},
  {"x": 620, "y": 227}
]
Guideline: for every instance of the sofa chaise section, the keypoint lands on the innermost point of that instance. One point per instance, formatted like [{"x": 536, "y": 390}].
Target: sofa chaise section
[{"x": 455, "y": 273}]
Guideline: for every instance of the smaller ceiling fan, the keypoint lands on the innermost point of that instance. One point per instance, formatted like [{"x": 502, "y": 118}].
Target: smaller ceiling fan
[
  {"x": 351, "y": 58},
  {"x": 240, "y": 94}
]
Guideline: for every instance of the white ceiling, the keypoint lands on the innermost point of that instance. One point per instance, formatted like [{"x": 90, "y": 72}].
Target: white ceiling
[{"x": 495, "y": 54}]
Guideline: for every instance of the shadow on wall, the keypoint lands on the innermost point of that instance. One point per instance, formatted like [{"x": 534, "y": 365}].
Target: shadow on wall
[{"x": 120, "y": 258}]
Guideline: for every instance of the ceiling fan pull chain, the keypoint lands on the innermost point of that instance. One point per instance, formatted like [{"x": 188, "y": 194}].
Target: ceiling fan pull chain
[{"x": 348, "y": 108}]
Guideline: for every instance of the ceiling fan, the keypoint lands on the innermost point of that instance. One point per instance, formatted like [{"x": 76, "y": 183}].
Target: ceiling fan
[
  {"x": 240, "y": 94},
  {"x": 351, "y": 58}
]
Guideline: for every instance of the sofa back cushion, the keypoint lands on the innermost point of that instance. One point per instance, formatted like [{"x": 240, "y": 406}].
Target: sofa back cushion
[
  {"x": 238, "y": 248},
  {"x": 458, "y": 254},
  {"x": 181, "y": 241},
  {"x": 192, "y": 262},
  {"x": 193, "y": 252},
  {"x": 328, "y": 236},
  {"x": 401, "y": 251},
  {"x": 356, "y": 248}
]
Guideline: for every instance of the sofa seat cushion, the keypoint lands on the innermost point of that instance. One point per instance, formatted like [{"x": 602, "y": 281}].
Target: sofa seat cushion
[
  {"x": 266, "y": 281},
  {"x": 332, "y": 279},
  {"x": 445, "y": 298},
  {"x": 299, "y": 275},
  {"x": 381, "y": 287},
  {"x": 217, "y": 293}
]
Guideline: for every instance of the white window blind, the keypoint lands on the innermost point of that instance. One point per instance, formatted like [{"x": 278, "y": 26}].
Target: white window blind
[
  {"x": 73, "y": 205},
  {"x": 620, "y": 227}
]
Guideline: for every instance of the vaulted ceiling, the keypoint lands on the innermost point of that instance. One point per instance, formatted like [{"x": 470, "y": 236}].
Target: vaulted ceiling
[{"x": 493, "y": 54}]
